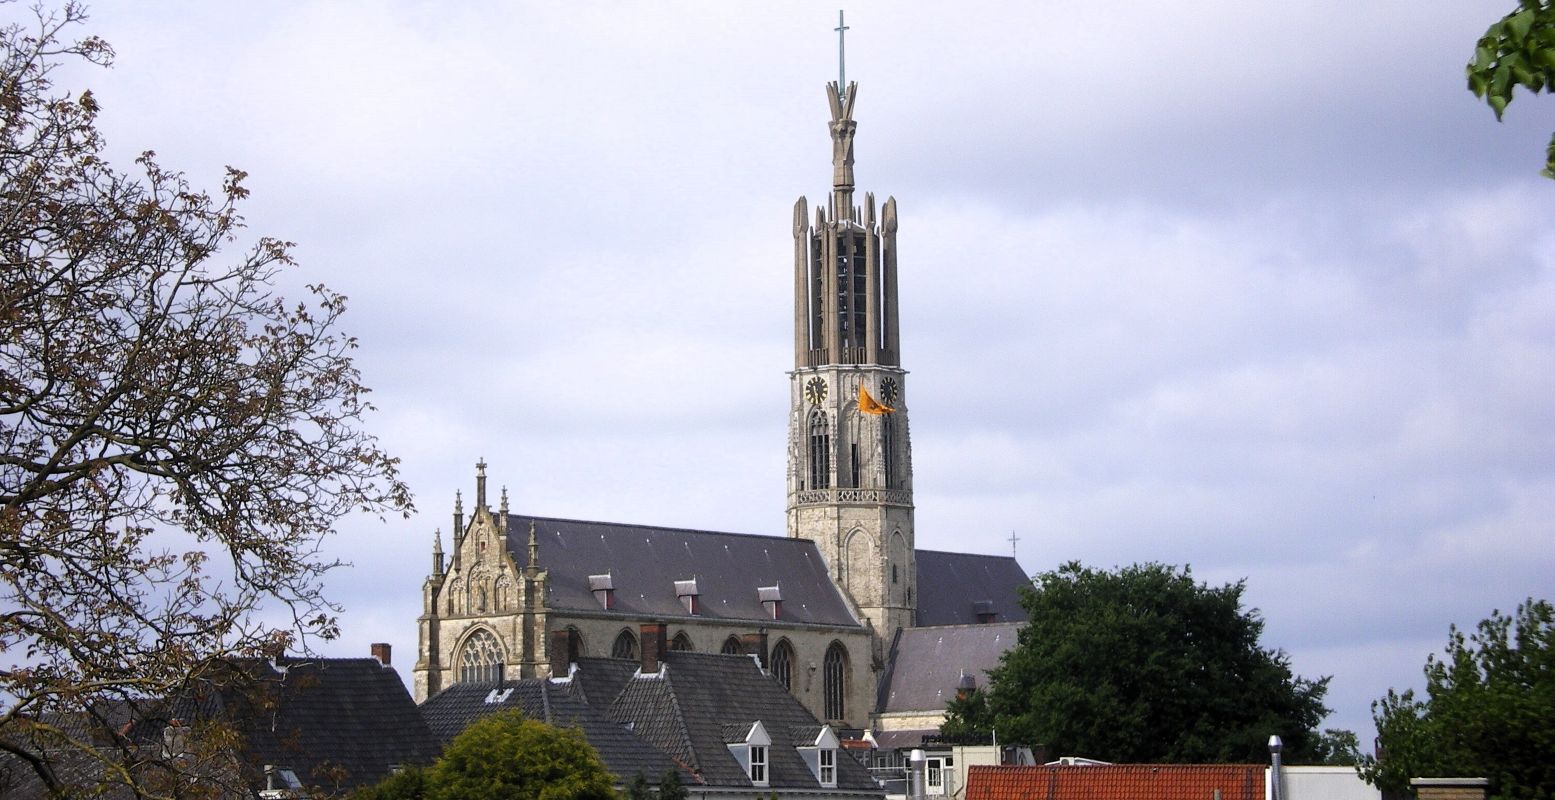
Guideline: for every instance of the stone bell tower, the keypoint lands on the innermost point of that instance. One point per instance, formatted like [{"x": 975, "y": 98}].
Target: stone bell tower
[{"x": 849, "y": 454}]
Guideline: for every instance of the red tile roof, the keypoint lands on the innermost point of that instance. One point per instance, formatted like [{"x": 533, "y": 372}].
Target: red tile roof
[{"x": 1117, "y": 782}]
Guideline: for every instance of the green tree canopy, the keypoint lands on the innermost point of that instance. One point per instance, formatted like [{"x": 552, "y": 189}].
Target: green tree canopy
[
  {"x": 507, "y": 757},
  {"x": 1518, "y": 50},
  {"x": 1489, "y": 710},
  {"x": 1143, "y": 664}
]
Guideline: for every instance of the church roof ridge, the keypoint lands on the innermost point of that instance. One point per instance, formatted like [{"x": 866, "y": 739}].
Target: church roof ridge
[{"x": 644, "y": 526}]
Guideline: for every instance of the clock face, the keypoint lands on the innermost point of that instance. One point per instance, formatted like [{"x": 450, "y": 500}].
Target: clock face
[
  {"x": 815, "y": 390},
  {"x": 889, "y": 391}
]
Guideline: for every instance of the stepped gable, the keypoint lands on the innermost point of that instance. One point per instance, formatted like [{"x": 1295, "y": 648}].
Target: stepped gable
[
  {"x": 697, "y": 695},
  {"x": 1116, "y": 782},
  {"x": 926, "y": 664},
  {"x": 558, "y": 703},
  {"x": 951, "y": 587},
  {"x": 645, "y": 561}
]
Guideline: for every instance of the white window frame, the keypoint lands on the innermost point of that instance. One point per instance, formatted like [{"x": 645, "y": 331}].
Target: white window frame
[
  {"x": 758, "y": 764},
  {"x": 828, "y": 767}
]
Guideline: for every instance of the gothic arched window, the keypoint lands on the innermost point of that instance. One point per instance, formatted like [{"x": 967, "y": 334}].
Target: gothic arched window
[
  {"x": 625, "y": 646},
  {"x": 820, "y": 451},
  {"x": 681, "y": 642},
  {"x": 504, "y": 593},
  {"x": 783, "y": 664},
  {"x": 834, "y": 681},
  {"x": 731, "y": 647},
  {"x": 480, "y": 659}
]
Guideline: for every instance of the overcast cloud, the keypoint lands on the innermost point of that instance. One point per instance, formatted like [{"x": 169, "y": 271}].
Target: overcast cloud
[{"x": 1255, "y": 287}]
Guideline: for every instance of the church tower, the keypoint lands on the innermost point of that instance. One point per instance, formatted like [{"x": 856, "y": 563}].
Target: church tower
[{"x": 849, "y": 454}]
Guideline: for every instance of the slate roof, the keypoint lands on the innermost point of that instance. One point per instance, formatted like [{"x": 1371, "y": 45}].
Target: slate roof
[
  {"x": 645, "y": 561},
  {"x": 1117, "y": 782},
  {"x": 951, "y": 585},
  {"x": 684, "y": 710},
  {"x": 339, "y": 723},
  {"x": 561, "y": 704},
  {"x": 926, "y": 664}
]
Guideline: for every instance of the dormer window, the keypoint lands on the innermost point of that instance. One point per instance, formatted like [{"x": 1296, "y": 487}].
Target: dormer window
[
  {"x": 688, "y": 594},
  {"x": 818, "y": 745},
  {"x": 603, "y": 587},
  {"x": 748, "y": 743}
]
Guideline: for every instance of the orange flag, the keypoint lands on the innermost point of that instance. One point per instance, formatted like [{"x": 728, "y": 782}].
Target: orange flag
[{"x": 868, "y": 405}]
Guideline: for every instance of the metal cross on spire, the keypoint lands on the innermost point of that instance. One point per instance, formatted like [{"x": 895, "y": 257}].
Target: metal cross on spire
[
  {"x": 842, "y": 60},
  {"x": 1013, "y": 540}
]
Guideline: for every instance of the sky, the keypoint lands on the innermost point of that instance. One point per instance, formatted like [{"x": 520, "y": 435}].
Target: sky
[{"x": 1258, "y": 288}]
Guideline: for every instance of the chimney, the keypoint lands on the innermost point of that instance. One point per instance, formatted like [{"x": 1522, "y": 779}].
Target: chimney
[
  {"x": 689, "y": 596},
  {"x": 381, "y": 651},
  {"x": 771, "y": 598},
  {"x": 755, "y": 644},
  {"x": 563, "y": 653},
  {"x": 653, "y": 646},
  {"x": 966, "y": 686}
]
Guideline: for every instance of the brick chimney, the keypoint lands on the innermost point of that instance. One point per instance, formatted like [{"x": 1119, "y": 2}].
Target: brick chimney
[
  {"x": 381, "y": 651},
  {"x": 755, "y": 644},
  {"x": 563, "y": 653},
  {"x": 653, "y": 646}
]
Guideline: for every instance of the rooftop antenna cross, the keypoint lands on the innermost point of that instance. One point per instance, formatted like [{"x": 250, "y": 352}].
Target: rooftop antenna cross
[
  {"x": 1013, "y": 540},
  {"x": 842, "y": 61}
]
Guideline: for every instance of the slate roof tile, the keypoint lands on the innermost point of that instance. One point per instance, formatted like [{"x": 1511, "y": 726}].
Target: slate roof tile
[
  {"x": 950, "y": 584},
  {"x": 645, "y": 561},
  {"x": 926, "y": 664}
]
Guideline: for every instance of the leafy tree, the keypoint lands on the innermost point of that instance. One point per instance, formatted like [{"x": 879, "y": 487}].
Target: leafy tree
[
  {"x": 968, "y": 717},
  {"x": 670, "y": 787},
  {"x": 638, "y": 789},
  {"x": 175, "y": 437},
  {"x": 409, "y": 783},
  {"x": 506, "y": 757},
  {"x": 1489, "y": 710},
  {"x": 1518, "y": 50},
  {"x": 1338, "y": 748},
  {"x": 1143, "y": 664}
]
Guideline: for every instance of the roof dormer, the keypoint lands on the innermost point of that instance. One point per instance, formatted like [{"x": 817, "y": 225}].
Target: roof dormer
[
  {"x": 818, "y": 745},
  {"x": 750, "y": 745}
]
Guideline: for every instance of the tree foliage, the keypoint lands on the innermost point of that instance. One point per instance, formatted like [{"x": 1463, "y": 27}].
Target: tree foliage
[
  {"x": 175, "y": 437},
  {"x": 506, "y": 757},
  {"x": 1143, "y": 664},
  {"x": 1489, "y": 710},
  {"x": 1518, "y": 50}
]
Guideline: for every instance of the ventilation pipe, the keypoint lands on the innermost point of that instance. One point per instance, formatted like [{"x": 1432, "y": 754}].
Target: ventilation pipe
[
  {"x": 915, "y": 765},
  {"x": 1276, "y": 775}
]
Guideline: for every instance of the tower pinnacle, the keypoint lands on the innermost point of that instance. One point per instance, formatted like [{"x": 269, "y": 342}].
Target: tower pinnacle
[{"x": 842, "y": 56}]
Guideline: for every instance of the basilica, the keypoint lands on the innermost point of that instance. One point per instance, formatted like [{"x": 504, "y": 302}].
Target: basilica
[{"x": 822, "y": 609}]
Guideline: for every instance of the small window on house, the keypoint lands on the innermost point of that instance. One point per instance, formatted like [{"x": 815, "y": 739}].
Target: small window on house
[
  {"x": 731, "y": 647},
  {"x": 828, "y": 767},
  {"x": 759, "y": 765},
  {"x": 682, "y": 642}
]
